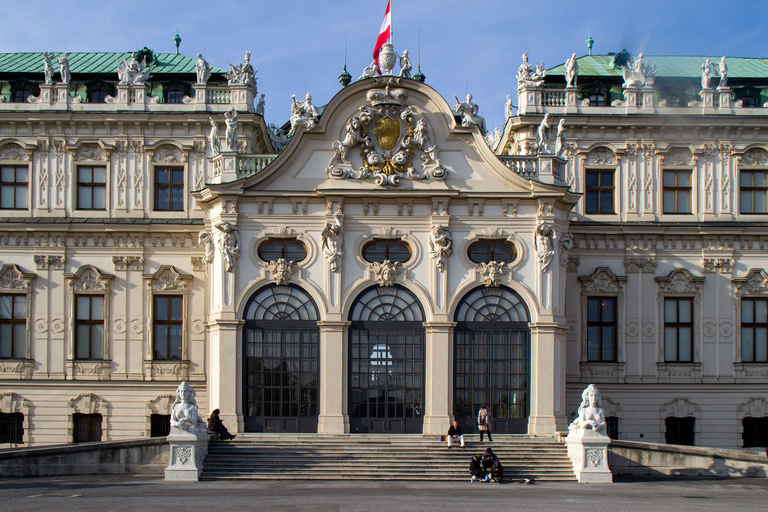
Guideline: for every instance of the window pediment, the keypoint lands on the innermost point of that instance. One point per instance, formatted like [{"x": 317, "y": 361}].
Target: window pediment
[
  {"x": 603, "y": 280},
  {"x": 680, "y": 282},
  {"x": 678, "y": 157},
  {"x": 601, "y": 156},
  {"x": 755, "y": 157},
  {"x": 167, "y": 279},
  {"x": 13, "y": 279},
  {"x": 89, "y": 279},
  {"x": 755, "y": 283}
]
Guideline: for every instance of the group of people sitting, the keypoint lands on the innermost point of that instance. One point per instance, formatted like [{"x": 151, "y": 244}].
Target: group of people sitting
[{"x": 484, "y": 467}]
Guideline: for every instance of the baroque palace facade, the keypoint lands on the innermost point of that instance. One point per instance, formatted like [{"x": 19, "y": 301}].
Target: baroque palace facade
[{"x": 380, "y": 268}]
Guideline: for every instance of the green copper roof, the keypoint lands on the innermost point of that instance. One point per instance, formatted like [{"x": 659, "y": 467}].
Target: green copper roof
[
  {"x": 670, "y": 66},
  {"x": 82, "y": 62}
]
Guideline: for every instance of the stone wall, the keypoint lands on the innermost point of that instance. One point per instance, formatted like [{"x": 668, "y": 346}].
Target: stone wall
[{"x": 633, "y": 458}]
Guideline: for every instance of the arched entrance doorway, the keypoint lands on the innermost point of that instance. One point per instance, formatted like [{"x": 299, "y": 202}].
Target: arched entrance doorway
[
  {"x": 492, "y": 359},
  {"x": 280, "y": 340},
  {"x": 386, "y": 362}
]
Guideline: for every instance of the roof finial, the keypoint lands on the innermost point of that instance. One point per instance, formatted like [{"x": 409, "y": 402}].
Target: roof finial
[
  {"x": 589, "y": 43},
  {"x": 345, "y": 78},
  {"x": 419, "y": 76},
  {"x": 177, "y": 41}
]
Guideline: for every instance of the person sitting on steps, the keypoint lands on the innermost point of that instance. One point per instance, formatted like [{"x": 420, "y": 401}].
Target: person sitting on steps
[
  {"x": 216, "y": 425},
  {"x": 455, "y": 432}
]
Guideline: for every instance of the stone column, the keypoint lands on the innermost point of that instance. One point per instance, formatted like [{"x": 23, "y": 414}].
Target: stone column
[
  {"x": 547, "y": 379},
  {"x": 225, "y": 384},
  {"x": 438, "y": 399},
  {"x": 333, "y": 385}
]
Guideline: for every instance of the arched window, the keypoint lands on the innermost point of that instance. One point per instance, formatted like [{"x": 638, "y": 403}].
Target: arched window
[
  {"x": 280, "y": 339},
  {"x": 386, "y": 361},
  {"x": 492, "y": 359}
]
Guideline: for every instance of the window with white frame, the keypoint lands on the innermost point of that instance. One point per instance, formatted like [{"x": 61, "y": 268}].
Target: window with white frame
[
  {"x": 753, "y": 181},
  {"x": 167, "y": 298},
  {"x": 88, "y": 298},
  {"x": 15, "y": 300},
  {"x": 679, "y": 298},
  {"x": 14, "y": 186}
]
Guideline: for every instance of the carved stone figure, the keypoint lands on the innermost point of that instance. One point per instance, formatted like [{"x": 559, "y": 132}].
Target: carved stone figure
[
  {"x": 529, "y": 76},
  {"x": 706, "y": 74},
  {"x": 203, "y": 70},
  {"x": 282, "y": 270},
  {"x": 48, "y": 68},
  {"x": 260, "y": 106},
  {"x": 545, "y": 250},
  {"x": 353, "y": 134},
  {"x": 184, "y": 412},
  {"x": 230, "y": 244},
  {"x": 230, "y": 119},
  {"x": 277, "y": 137},
  {"x": 508, "y": 112},
  {"x": 132, "y": 72},
  {"x": 370, "y": 71},
  {"x": 468, "y": 110},
  {"x": 560, "y": 145},
  {"x": 543, "y": 135},
  {"x": 422, "y": 141},
  {"x": 723, "y": 74},
  {"x": 386, "y": 272},
  {"x": 332, "y": 242},
  {"x": 571, "y": 71},
  {"x": 213, "y": 138},
  {"x": 566, "y": 244},
  {"x": 405, "y": 65},
  {"x": 205, "y": 239},
  {"x": 493, "y": 138},
  {"x": 64, "y": 68},
  {"x": 638, "y": 74},
  {"x": 440, "y": 246},
  {"x": 303, "y": 113},
  {"x": 242, "y": 74},
  {"x": 591, "y": 414},
  {"x": 492, "y": 273}
]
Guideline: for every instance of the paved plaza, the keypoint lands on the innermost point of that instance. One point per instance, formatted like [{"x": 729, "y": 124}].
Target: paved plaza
[{"x": 135, "y": 493}]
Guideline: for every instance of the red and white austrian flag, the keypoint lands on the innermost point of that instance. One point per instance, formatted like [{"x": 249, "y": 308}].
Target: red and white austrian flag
[{"x": 385, "y": 34}]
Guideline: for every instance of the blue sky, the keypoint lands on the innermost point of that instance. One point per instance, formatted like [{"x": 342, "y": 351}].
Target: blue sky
[{"x": 465, "y": 46}]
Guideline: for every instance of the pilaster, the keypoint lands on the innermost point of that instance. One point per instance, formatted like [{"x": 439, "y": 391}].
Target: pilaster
[
  {"x": 438, "y": 400},
  {"x": 547, "y": 379},
  {"x": 333, "y": 356},
  {"x": 226, "y": 362}
]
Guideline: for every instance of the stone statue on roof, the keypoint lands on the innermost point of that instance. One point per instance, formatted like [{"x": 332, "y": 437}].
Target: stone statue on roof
[
  {"x": 527, "y": 75},
  {"x": 48, "y": 68},
  {"x": 303, "y": 113},
  {"x": 637, "y": 73},
  {"x": 508, "y": 112},
  {"x": 132, "y": 72},
  {"x": 260, "y": 106},
  {"x": 405, "y": 65},
  {"x": 723, "y": 74},
  {"x": 468, "y": 110},
  {"x": 370, "y": 71},
  {"x": 706, "y": 74},
  {"x": 64, "y": 68},
  {"x": 203, "y": 70},
  {"x": 543, "y": 135},
  {"x": 242, "y": 74},
  {"x": 230, "y": 120},
  {"x": 571, "y": 71}
]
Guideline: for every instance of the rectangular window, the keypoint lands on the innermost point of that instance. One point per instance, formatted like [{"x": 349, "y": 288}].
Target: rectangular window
[
  {"x": 599, "y": 192},
  {"x": 612, "y": 426},
  {"x": 753, "y": 191},
  {"x": 169, "y": 189},
  {"x": 677, "y": 191},
  {"x": 601, "y": 329},
  {"x": 91, "y": 188},
  {"x": 87, "y": 428},
  {"x": 89, "y": 326},
  {"x": 680, "y": 430},
  {"x": 168, "y": 322},
  {"x": 678, "y": 330},
  {"x": 160, "y": 425},
  {"x": 11, "y": 427},
  {"x": 13, "y": 325},
  {"x": 755, "y": 432},
  {"x": 754, "y": 330},
  {"x": 14, "y": 183}
]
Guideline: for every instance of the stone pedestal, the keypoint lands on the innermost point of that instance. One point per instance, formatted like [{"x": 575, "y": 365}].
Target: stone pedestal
[
  {"x": 707, "y": 98},
  {"x": 529, "y": 100},
  {"x": 551, "y": 169},
  {"x": 725, "y": 97},
  {"x": 188, "y": 449},
  {"x": 588, "y": 451}
]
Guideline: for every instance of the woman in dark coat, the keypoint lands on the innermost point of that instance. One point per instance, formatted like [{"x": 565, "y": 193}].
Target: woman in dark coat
[
  {"x": 476, "y": 468},
  {"x": 216, "y": 425}
]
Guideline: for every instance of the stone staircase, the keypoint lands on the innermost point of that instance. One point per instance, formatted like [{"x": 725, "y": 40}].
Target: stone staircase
[{"x": 381, "y": 457}]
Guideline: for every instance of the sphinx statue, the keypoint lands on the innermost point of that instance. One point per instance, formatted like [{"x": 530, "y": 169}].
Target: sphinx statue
[
  {"x": 184, "y": 413},
  {"x": 591, "y": 414}
]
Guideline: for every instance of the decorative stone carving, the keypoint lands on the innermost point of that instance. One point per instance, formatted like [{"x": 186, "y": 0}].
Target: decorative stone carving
[
  {"x": 229, "y": 244},
  {"x": 203, "y": 70},
  {"x": 242, "y": 74},
  {"x": 492, "y": 272},
  {"x": 388, "y": 134},
  {"x": 602, "y": 281},
  {"x": 132, "y": 72},
  {"x": 386, "y": 272},
  {"x": 678, "y": 157},
  {"x": 13, "y": 279},
  {"x": 634, "y": 265},
  {"x": 601, "y": 156},
  {"x": 713, "y": 264},
  {"x": 213, "y": 138},
  {"x": 755, "y": 283},
  {"x": 230, "y": 120},
  {"x": 12, "y": 152},
  {"x": 184, "y": 412},
  {"x": 545, "y": 250},
  {"x": 332, "y": 242},
  {"x": 573, "y": 265},
  {"x": 168, "y": 154},
  {"x": 638, "y": 74},
  {"x": 754, "y": 408},
  {"x": 205, "y": 239},
  {"x": 560, "y": 144},
  {"x": 590, "y": 414},
  {"x": 571, "y": 71},
  {"x": 282, "y": 270},
  {"x": 706, "y": 74},
  {"x": 468, "y": 111},
  {"x": 542, "y": 135},
  {"x": 587, "y": 440},
  {"x": 48, "y": 68},
  {"x": 64, "y": 68},
  {"x": 303, "y": 113},
  {"x": 754, "y": 156},
  {"x": 405, "y": 65},
  {"x": 508, "y": 108},
  {"x": 89, "y": 279},
  {"x": 167, "y": 278},
  {"x": 680, "y": 281},
  {"x": 566, "y": 244},
  {"x": 528, "y": 76},
  {"x": 679, "y": 408},
  {"x": 90, "y": 152},
  {"x": 440, "y": 246},
  {"x": 277, "y": 137}
]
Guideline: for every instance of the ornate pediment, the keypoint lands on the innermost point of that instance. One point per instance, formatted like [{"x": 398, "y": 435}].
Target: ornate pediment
[
  {"x": 13, "y": 152},
  {"x": 755, "y": 156},
  {"x": 167, "y": 279},
  {"x": 13, "y": 279},
  {"x": 755, "y": 283},
  {"x": 602, "y": 281},
  {"x": 678, "y": 156},
  {"x": 680, "y": 408},
  {"x": 601, "y": 156},
  {"x": 168, "y": 153},
  {"x": 11, "y": 402},
  {"x": 89, "y": 279},
  {"x": 390, "y": 136},
  {"x": 90, "y": 152},
  {"x": 680, "y": 282},
  {"x": 88, "y": 403}
]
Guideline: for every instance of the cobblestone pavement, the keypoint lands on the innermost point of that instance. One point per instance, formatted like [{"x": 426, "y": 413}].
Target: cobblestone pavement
[{"x": 136, "y": 492}]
